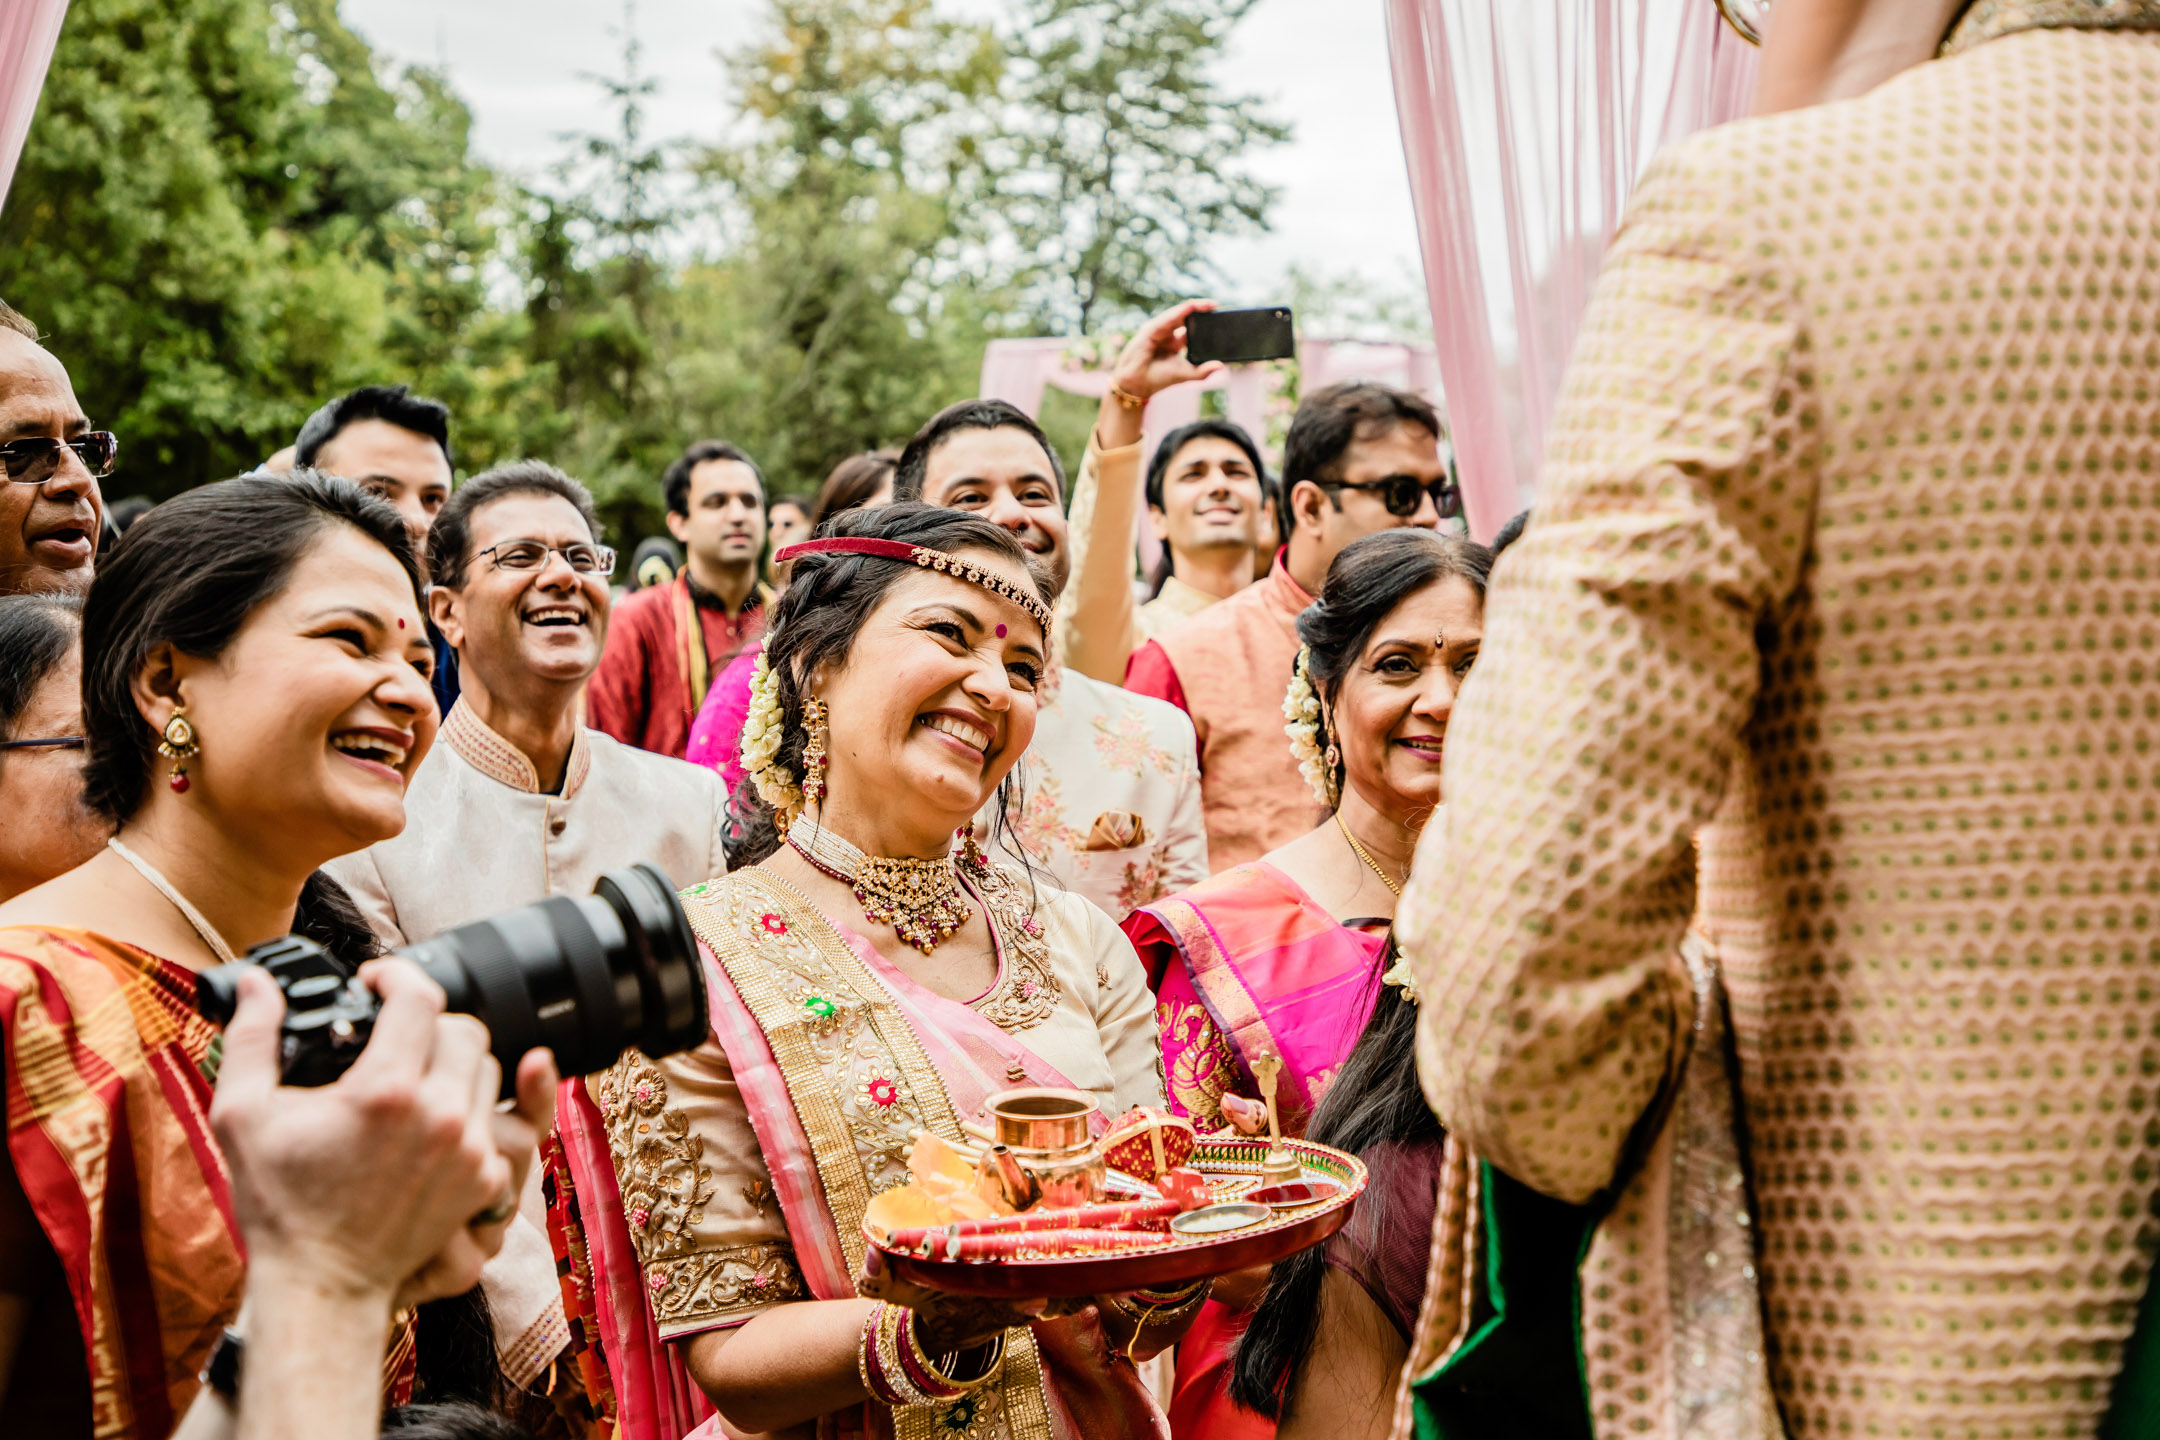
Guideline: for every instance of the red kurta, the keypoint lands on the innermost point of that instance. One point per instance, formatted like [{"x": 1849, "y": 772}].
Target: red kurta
[{"x": 641, "y": 694}]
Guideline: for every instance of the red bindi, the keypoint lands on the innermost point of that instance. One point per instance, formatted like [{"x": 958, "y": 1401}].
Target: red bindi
[
  {"x": 1001, "y": 632},
  {"x": 401, "y": 624}
]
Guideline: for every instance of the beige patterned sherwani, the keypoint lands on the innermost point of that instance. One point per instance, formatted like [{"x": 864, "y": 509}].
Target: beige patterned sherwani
[{"x": 1851, "y": 530}]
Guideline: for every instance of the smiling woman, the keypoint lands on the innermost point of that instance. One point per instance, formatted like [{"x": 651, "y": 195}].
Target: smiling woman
[
  {"x": 898, "y": 694},
  {"x": 255, "y": 696}
]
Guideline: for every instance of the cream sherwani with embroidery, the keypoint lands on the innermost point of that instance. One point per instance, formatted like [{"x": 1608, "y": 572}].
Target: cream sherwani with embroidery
[{"x": 1110, "y": 795}]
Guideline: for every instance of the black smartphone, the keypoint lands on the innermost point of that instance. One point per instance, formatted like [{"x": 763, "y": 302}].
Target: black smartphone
[{"x": 1240, "y": 336}]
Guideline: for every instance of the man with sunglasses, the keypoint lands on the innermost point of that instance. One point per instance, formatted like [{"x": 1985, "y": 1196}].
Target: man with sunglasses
[
  {"x": 1360, "y": 458},
  {"x": 51, "y": 512}
]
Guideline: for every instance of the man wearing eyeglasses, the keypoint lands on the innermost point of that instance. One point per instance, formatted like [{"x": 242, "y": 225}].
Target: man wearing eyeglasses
[
  {"x": 51, "y": 511},
  {"x": 1360, "y": 458}
]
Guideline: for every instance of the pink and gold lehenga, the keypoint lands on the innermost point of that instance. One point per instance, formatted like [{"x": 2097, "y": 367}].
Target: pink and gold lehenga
[{"x": 714, "y": 1185}]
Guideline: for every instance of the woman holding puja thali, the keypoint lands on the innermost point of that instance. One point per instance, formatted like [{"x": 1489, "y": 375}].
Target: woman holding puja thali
[{"x": 874, "y": 976}]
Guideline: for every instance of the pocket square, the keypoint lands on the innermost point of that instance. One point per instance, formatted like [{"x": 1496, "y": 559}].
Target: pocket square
[{"x": 1117, "y": 830}]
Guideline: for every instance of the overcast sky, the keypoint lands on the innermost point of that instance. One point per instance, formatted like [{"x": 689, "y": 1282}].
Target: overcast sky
[{"x": 1345, "y": 202}]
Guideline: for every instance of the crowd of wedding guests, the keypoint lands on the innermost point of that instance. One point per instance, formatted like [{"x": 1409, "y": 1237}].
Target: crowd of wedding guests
[{"x": 1752, "y": 1037}]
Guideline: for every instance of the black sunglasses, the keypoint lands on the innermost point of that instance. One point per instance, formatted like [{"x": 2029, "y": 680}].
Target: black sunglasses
[
  {"x": 1402, "y": 494},
  {"x": 57, "y": 742},
  {"x": 33, "y": 460}
]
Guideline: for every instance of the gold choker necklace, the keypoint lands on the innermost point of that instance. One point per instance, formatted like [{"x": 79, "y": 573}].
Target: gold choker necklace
[{"x": 920, "y": 899}]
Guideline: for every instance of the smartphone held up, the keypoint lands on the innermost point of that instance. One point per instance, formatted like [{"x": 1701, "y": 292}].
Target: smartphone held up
[{"x": 1240, "y": 337}]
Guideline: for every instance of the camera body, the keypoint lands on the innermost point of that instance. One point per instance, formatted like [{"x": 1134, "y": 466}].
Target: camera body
[{"x": 586, "y": 977}]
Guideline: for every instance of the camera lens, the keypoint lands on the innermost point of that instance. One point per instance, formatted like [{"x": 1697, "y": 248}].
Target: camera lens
[{"x": 587, "y": 977}]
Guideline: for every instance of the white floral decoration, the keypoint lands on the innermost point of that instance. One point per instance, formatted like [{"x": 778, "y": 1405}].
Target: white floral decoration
[
  {"x": 1301, "y": 707},
  {"x": 1400, "y": 975},
  {"x": 761, "y": 746}
]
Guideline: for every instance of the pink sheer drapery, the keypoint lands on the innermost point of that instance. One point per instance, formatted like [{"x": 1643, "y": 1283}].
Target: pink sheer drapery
[
  {"x": 1018, "y": 371},
  {"x": 1525, "y": 127},
  {"x": 28, "y": 31}
]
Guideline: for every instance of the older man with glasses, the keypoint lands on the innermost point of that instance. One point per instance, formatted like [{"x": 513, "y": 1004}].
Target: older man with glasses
[
  {"x": 51, "y": 512},
  {"x": 1360, "y": 458},
  {"x": 519, "y": 800}
]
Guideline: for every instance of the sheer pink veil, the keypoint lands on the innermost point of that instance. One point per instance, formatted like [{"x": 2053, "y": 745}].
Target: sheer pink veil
[{"x": 1525, "y": 127}]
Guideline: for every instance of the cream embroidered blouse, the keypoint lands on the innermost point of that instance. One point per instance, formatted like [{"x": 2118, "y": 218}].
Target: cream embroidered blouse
[{"x": 697, "y": 1194}]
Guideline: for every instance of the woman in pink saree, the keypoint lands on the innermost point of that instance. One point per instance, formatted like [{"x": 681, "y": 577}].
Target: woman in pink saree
[
  {"x": 1285, "y": 955},
  {"x": 871, "y": 981}
]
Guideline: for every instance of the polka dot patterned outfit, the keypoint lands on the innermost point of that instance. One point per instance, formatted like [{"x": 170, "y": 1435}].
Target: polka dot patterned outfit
[{"x": 1850, "y": 527}]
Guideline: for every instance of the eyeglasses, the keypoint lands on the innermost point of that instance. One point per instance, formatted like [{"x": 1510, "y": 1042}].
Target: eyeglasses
[
  {"x": 1402, "y": 494},
  {"x": 532, "y": 555},
  {"x": 57, "y": 742},
  {"x": 32, "y": 461}
]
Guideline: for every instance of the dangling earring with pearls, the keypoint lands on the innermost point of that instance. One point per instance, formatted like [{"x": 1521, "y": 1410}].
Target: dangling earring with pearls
[{"x": 179, "y": 745}]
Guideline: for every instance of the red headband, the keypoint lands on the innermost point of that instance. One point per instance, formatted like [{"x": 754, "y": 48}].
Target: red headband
[{"x": 928, "y": 559}]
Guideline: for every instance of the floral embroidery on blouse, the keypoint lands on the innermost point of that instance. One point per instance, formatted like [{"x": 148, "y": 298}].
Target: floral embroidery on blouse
[
  {"x": 712, "y": 1284},
  {"x": 1027, "y": 990},
  {"x": 659, "y": 1162},
  {"x": 1126, "y": 744}
]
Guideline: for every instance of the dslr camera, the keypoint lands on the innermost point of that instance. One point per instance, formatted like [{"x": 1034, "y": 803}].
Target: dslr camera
[{"x": 587, "y": 978}]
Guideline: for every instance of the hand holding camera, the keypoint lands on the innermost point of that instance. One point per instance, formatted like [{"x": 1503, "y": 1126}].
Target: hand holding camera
[{"x": 366, "y": 1189}]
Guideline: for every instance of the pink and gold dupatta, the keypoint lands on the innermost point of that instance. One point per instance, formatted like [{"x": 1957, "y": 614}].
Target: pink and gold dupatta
[{"x": 840, "y": 1059}]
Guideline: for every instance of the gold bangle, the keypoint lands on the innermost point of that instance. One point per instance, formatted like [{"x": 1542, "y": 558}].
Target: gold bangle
[{"x": 1126, "y": 398}]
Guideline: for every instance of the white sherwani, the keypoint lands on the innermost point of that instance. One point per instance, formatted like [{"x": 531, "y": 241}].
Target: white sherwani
[{"x": 480, "y": 838}]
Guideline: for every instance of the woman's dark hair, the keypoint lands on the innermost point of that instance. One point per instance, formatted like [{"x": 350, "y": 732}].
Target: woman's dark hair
[
  {"x": 816, "y": 619},
  {"x": 36, "y": 633},
  {"x": 455, "y": 1421},
  {"x": 1374, "y": 1100},
  {"x": 1369, "y": 578},
  {"x": 188, "y": 575},
  {"x": 850, "y": 485}
]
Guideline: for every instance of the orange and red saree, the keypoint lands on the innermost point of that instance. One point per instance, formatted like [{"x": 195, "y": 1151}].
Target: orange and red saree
[{"x": 108, "y": 1073}]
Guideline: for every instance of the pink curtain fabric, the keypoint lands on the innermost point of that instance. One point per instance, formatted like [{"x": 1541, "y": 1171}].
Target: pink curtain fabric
[
  {"x": 28, "y": 31},
  {"x": 1524, "y": 128}
]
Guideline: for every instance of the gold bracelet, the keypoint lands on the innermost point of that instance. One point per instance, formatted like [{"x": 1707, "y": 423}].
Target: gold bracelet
[{"x": 1126, "y": 398}]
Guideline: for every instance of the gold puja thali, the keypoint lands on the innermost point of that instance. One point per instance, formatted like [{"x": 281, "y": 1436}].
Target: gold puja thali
[{"x": 1251, "y": 1218}]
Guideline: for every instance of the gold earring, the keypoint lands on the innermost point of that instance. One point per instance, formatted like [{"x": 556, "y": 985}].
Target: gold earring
[
  {"x": 179, "y": 745},
  {"x": 1332, "y": 761},
  {"x": 814, "y": 726}
]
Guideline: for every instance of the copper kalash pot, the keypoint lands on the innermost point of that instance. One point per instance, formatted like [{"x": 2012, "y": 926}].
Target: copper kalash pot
[{"x": 1039, "y": 1151}]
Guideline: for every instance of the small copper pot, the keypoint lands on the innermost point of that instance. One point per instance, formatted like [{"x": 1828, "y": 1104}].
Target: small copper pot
[{"x": 1043, "y": 1132}]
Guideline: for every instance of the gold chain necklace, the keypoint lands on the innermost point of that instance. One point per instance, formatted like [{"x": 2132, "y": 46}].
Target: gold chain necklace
[
  {"x": 1366, "y": 856},
  {"x": 920, "y": 899}
]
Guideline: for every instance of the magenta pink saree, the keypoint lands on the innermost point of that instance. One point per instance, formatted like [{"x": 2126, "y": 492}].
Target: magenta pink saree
[{"x": 1243, "y": 962}]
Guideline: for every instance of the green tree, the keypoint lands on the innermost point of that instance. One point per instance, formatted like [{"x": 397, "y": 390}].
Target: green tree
[
  {"x": 224, "y": 214},
  {"x": 1124, "y": 172},
  {"x": 847, "y": 310}
]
